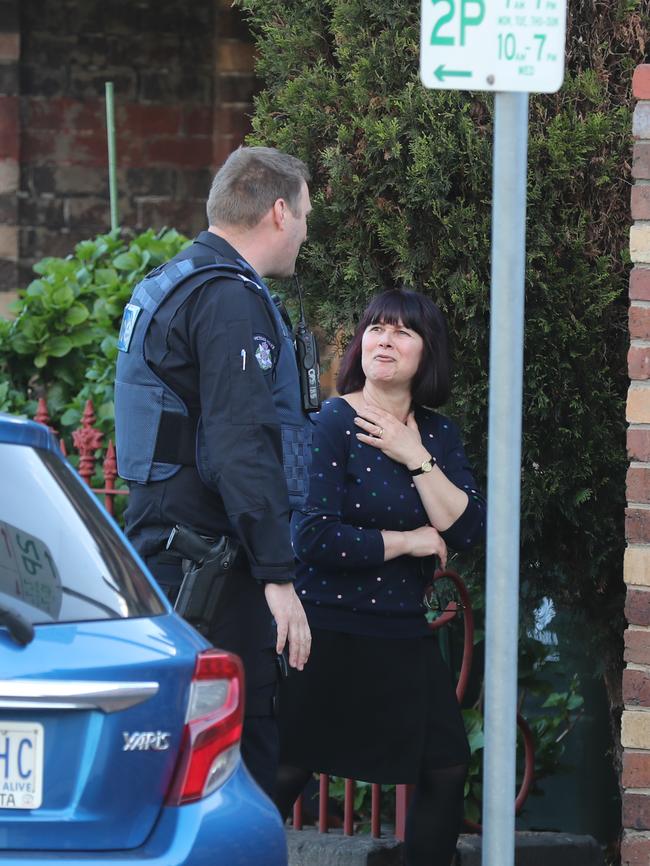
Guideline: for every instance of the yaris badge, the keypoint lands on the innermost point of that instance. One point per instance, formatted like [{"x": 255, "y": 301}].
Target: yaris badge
[{"x": 146, "y": 741}]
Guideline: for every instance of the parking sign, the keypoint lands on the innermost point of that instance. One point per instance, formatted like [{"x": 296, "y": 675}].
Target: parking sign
[{"x": 499, "y": 45}]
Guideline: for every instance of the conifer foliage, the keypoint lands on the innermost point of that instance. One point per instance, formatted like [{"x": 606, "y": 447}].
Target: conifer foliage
[{"x": 402, "y": 196}]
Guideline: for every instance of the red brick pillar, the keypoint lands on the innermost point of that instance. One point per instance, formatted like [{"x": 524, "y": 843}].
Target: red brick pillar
[
  {"x": 635, "y": 734},
  {"x": 9, "y": 144},
  {"x": 234, "y": 81}
]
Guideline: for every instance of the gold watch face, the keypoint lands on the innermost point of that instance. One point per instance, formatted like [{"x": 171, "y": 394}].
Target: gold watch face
[{"x": 427, "y": 466}]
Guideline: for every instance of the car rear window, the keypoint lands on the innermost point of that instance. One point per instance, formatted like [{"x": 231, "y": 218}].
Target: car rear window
[{"x": 61, "y": 559}]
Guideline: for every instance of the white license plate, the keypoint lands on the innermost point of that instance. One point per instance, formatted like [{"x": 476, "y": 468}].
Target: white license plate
[{"x": 21, "y": 765}]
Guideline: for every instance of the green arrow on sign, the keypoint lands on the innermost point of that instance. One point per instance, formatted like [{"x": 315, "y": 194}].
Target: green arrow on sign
[{"x": 441, "y": 73}]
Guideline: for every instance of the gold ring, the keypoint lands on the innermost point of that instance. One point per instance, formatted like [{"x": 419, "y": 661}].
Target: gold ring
[{"x": 381, "y": 433}]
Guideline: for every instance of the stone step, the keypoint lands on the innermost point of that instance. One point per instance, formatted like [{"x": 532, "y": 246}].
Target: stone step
[{"x": 310, "y": 848}]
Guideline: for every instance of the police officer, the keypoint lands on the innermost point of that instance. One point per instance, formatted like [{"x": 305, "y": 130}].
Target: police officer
[{"x": 209, "y": 423}]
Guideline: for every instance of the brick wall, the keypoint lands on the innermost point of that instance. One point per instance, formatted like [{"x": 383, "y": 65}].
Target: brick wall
[
  {"x": 234, "y": 81},
  {"x": 635, "y": 733},
  {"x": 9, "y": 141},
  {"x": 183, "y": 83}
]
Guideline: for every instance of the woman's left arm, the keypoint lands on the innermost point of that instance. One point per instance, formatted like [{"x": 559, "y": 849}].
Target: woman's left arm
[
  {"x": 443, "y": 501},
  {"x": 452, "y": 472},
  {"x": 448, "y": 492}
]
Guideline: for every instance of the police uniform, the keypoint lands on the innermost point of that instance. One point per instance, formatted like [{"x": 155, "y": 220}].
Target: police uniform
[{"x": 211, "y": 435}]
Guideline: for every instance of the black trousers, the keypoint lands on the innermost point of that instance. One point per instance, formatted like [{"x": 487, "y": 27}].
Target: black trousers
[{"x": 242, "y": 625}]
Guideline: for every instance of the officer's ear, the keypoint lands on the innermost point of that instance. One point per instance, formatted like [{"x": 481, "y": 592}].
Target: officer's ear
[{"x": 279, "y": 210}]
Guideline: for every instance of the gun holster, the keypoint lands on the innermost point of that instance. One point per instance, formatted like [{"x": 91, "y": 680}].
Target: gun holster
[{"x": 206, "y": 564}]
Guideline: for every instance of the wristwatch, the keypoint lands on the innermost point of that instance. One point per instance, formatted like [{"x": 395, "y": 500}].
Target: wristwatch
[{"x": 427, "y": 466}]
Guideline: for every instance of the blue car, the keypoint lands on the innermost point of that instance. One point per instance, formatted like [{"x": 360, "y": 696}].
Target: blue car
[{"x": 119, "y": 724}]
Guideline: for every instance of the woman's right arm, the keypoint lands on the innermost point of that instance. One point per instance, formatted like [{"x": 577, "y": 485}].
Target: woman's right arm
[
  {"x": 423, "y": 541},
  {"x": 319, "y": 535}
]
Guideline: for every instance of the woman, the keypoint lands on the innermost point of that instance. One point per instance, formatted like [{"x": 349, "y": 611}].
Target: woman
[{"x": 390, "y": 488}]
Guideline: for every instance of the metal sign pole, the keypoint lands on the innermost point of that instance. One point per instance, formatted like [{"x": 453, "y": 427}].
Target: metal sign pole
[
  {"x": 112, "y": 168},
  {"x": 504, "y": 470},
  {"x": 510, "y": 48}
]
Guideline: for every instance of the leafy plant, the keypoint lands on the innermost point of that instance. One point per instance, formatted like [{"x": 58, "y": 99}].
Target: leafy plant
[
  {"x": 62, "y": 343},
  {"x": 551, "y": 715}
]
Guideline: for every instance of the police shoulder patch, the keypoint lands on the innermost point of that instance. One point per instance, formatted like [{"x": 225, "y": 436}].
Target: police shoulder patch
[
  {"x": 265, "y": 352},
  {"x": 131, "y": 313}
]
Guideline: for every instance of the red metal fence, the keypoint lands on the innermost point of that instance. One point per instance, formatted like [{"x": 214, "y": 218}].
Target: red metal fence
[{"x": 88, "y": 442}]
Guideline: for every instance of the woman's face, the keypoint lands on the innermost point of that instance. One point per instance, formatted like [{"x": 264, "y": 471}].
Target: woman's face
[{"x": 390, "y": 354}]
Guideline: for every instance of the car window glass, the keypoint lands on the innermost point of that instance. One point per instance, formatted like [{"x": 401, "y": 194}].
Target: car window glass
[
  {"x": 61, "y": 559},
  {"x": 27, "y": 568}
]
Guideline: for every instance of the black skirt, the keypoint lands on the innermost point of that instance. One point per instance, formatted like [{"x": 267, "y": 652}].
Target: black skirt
[{"x": 371, "y": 709}]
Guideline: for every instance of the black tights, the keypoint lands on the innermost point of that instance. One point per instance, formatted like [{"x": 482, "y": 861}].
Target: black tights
[
  {"x": 290, "y": 785},
  {"x": 434, "y": 817}
]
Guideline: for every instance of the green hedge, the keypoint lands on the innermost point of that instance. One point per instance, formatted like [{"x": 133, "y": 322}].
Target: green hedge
[
  {"x": 62, "y": 343},
  {"x": 401, "y": 195}
]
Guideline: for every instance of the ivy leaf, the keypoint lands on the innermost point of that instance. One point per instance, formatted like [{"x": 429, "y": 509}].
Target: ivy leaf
[
  {"x": 56, "y": 399},
  {"x": 21, "y": 345},
  {"x": 34, "y": 329},
  {"x": 106, "y": 411},
  {"x": 83, "y": 337},
  {"x": 126, "y": 262},
  {"x": 476, "y": 741},
  {"x": 109, "y": 347},
  {"x": 106, "y": 277},
  {"x": 58, "y": 347},
  {"x": 114, "y": 308},
  {"x": 62, "y": 297},
  {"x": 582, "y": 496},
  {"x": 76, "y": 315},
  {"x": 44, "y": 265},
  {"x": 575, "y": 702},
  {"x": 35, "y": 288},
  {"x": 71, "y": 418}
]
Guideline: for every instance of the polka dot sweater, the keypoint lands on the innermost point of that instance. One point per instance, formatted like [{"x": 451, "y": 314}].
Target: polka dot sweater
[{"x": 355, "y": 492}]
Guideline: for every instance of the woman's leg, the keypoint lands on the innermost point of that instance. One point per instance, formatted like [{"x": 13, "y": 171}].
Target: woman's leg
[
  {"x": 435, "y": 816},
  {"x": 290, "y": 785}
]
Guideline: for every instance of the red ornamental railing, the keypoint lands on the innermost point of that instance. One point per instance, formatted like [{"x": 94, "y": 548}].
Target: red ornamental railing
[{"x": 88, "y": 443}]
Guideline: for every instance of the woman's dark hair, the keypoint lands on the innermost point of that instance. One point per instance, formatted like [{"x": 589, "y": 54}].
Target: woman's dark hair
[{"x": 431, "y": 383}]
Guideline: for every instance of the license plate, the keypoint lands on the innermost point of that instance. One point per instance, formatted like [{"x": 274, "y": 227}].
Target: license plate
[{"x": 21, "y": 765}]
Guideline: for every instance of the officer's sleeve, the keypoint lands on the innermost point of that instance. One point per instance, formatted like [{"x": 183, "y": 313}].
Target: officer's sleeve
[{"x": 235, "y": 344}]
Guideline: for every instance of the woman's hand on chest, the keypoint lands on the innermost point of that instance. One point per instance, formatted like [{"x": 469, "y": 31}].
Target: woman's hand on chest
[{"x": 401, "y": 442}]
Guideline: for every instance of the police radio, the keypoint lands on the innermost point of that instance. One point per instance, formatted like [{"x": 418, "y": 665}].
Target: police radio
[{"x": 308, "y": 359}]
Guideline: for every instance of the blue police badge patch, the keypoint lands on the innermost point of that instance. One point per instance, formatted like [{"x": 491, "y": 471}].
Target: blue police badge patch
[
  {"x": 265, "y": 352},
  {"x": 130, "y": 317}
]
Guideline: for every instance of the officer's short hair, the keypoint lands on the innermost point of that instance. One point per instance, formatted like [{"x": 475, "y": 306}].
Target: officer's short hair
[{"x": 250, "y": 182}]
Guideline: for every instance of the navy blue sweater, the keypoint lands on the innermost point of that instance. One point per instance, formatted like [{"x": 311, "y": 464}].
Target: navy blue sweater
[{"x": 355, "y": 492}]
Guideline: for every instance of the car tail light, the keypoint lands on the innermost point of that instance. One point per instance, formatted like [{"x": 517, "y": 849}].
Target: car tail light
[{"x": 213, "y": 726}]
